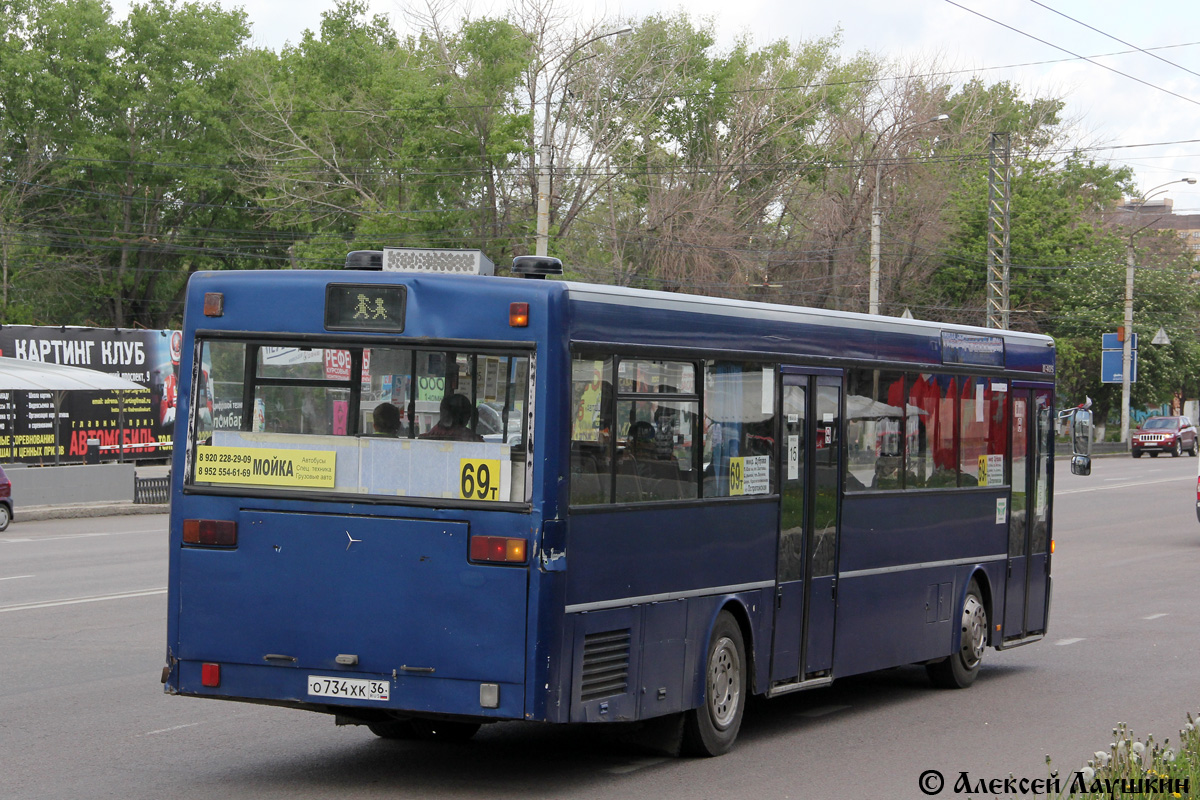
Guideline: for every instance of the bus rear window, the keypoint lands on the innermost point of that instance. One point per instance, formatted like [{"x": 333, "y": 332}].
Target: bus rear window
[{"x": 391, "y": 421}]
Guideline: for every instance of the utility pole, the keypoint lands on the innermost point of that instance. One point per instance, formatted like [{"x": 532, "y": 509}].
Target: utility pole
[
  {"x": 999, "y": 206},
  {"x": 877, "y": 221},
  {"x": 546, "y": 151},
  {"x": 1127, "y": 343},
  {"x": 876, "y": 237}
]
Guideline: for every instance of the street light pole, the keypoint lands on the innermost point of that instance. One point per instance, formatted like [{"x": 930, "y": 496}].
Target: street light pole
[
  {"x": 1127, "y": 344},
  {"x": 546, "y": 150},
  {"x": 877, "y": 224}
]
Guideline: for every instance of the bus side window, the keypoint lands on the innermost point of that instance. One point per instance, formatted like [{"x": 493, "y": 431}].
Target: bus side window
[{"x": 591, "y": 430}]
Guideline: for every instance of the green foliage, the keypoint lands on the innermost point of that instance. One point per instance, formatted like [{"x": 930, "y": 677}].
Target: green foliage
[{"x": 134, "y": 152}]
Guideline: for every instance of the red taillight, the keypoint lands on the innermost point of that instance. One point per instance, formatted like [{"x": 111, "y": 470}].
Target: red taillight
[
  {"x": 210, "y": 532},
  {"x": 210, "y": 675},
  {"x": 518, "y": 315},
  {"x": 498, "y": 549},
  {"x": 5, "y": 489}
]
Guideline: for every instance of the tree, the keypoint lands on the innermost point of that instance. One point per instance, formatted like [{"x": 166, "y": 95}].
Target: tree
[
  {"x": 51, "y": 87},
  {"x": 150, "y": 192}
]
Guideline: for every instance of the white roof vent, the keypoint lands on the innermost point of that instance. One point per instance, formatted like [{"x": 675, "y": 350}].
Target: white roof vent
[{"x": 437, "y": 262}]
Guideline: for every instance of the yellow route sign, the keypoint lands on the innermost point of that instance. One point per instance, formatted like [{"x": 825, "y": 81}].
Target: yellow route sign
[
  {"x": 266, "y": 466},
  {"x": 479, "y": 479}
]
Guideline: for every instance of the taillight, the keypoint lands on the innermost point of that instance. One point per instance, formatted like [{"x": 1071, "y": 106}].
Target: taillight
[
  {"x": 210, "y": 675},
  {"x": 498, "y": 549},
  {"x": 210, "y": 532},
  {"x": 5, "y": 489},
  {"x": 518, "y": 315}
]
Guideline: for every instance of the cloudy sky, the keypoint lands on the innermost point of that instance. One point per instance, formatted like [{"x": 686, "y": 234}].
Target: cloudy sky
[{"x": 1137, "y": 109}]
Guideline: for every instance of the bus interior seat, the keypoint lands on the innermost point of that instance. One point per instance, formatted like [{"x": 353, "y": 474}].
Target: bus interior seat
[{"x": 585, "y": 479}]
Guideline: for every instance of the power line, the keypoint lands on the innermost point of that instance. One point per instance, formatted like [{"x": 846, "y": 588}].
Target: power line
[
  {"x": 1114, "y": 38},
  {"x": 1072, "y": 53}
]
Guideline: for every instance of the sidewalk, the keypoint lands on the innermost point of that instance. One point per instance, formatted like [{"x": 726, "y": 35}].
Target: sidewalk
[
  {"x": 24, "y": 513},
  {"x": 80, "y": 510}
]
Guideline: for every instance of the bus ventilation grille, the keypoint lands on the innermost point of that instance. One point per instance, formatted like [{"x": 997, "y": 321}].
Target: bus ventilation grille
[{"x": 605, "y": 664}]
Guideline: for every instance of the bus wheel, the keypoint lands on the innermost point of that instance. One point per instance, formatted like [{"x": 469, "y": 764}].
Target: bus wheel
[
  {"x": 394, "y": 729},
  {"x": 442, "y": 731},
  {"x": 959, "y": 670},
  {"x": 711, "y": 729}
]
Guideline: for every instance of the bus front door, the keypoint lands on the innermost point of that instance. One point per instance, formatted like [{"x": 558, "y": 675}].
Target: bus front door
[
  {"x": 810, "y": 483},
  {"x": 1028, "y": 535}
]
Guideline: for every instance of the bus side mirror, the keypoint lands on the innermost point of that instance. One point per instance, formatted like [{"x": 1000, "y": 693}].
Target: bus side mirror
[{"x": 1081, "y": 442}]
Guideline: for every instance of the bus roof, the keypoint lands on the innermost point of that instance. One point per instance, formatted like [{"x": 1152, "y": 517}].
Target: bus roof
[
  {"x": 620, "y": 316},
  {"x": 612, "y": 314}
]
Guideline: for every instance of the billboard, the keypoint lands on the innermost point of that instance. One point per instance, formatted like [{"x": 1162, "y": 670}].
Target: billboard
[{"x": 147, "y": 357}]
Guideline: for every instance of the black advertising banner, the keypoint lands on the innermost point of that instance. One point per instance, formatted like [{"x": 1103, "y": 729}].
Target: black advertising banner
[{"x": 147, "y": 418}]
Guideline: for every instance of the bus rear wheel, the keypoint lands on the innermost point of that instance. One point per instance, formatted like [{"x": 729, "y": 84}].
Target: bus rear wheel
[
  {"x": 433, "y": 730},
  {"x": 394, "y": 729},
  {"x": 442, "y": 731},
  {"x": 959, "y": 670},
  {"x": 711, "y": 729}
]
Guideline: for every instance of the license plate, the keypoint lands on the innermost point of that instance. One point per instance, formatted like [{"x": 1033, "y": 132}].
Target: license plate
[{"x": 348, "y": 688}]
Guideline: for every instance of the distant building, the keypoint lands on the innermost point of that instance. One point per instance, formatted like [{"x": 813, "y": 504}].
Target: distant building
[{"x": 1159, "y": 214}]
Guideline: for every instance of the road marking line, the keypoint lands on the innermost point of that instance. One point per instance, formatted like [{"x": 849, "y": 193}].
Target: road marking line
[
  {"x": 77, "y": 536},
  {"x": 635, "y": 766},
  {"x": 821, "y": 711},
  {"x": 173, "y": 728},
  {"x": 76, "y": 600},
  {"x": 15, "y": 577},
  {"x": 1068, "y": 641},
  {"x": 1057, "y": 492},
  {"x": 1155, "y": 616}
]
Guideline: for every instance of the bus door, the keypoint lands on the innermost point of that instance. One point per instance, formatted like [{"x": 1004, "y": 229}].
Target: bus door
[
  {"x": 1028, "y": 522},
  {"x": 810, "y": 485}
]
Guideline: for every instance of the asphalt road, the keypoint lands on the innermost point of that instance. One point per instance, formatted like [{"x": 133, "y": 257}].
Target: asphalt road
[{"x": 82, "y": 715}]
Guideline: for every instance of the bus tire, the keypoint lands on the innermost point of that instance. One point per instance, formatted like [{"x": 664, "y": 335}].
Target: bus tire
[
  {"x": 711, "y": 729},
  {"x": 444, "y": 731},
  {"x": 959, "y": 670},
  {"x": 394, "y": 729}
]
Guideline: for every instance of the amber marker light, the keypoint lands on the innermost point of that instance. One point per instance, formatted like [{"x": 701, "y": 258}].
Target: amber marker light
[
  {"x": 1051, "y": 547},
  {"x": 518, "y": 315},
  {"x": 214, "y": 304}
]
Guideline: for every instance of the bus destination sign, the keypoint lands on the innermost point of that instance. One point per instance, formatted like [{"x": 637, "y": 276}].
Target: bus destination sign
[{"x": 364, "y": 307}]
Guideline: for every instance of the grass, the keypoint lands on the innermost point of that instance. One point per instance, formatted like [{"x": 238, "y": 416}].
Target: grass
[{"x": 1131, "y": 767}]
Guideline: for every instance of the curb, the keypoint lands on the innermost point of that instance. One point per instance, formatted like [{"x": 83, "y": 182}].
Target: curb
[{"x": 81, "y": 510}]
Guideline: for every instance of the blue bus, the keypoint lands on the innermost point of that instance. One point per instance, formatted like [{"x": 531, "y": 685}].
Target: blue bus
[{"x": 436, "y": 498}]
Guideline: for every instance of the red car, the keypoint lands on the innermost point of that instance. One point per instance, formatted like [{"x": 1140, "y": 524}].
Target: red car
[
  {"x": 1164, "y": 435},
  {"x": 6, "y": 505}
]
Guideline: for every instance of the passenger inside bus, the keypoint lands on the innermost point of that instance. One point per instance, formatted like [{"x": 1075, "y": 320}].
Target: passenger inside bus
[
  {"x": 387, "y": 420},
  {"x": 642, "y": 474},
  {"x": 455, "y": 416}
]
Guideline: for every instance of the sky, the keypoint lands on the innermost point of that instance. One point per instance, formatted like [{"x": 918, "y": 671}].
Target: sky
[{"x": 1134, "y": 109}]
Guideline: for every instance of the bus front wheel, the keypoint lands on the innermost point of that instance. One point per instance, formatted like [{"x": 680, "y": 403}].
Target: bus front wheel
[
  {"x": 711, "y": 729},
  {"x": 959, "y": 670}
]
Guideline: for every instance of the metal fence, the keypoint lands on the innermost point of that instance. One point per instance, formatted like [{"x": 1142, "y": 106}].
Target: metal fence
[{"x": 151, "y": 490}]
